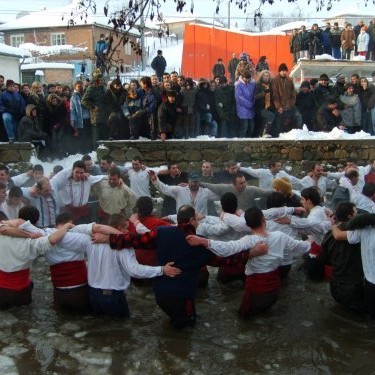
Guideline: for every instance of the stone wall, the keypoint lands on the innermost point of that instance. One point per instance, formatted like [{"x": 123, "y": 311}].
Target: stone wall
[
  {"x": 296, "y": 156},
  {"x": 15, "y": 152}
]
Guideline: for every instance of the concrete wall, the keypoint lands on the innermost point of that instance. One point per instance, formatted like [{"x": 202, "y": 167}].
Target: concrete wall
[{"x": 297, "y": 156}]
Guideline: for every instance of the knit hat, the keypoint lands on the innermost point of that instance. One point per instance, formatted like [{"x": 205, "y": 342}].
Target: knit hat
[
  {"x": 222, "y": 80},
  {"x": 305, "y": 84},
  {"x": 340, "y": 76},
  {"x": 194, "y": 176},
  {"x": 243, "y": 56},
  {"x": 9, "y": 82},
  {"x": 282, "y": 67},
  {"x": 283, "y": 185}
]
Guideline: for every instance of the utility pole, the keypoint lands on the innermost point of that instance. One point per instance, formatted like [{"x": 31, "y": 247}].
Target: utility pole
[
  {"x": 228, "y": 14},
  {"x": 143, "y": 55}
]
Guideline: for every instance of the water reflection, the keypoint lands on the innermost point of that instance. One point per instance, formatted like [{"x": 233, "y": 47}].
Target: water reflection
[{"x": 304, "y": 333}]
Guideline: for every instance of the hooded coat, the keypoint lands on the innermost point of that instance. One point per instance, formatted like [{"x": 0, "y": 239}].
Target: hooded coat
[{"x": 29, "y": 128}]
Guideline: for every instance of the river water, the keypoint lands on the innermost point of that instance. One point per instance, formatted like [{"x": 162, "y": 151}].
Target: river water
[{"x": 305, "y": 332}]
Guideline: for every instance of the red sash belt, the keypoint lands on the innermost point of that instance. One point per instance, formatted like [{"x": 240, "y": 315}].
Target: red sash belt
[
  {"x": 315, "y": 250},
  {"x": 102, "y": 214},
  {"x": 263, "y": 282},
  {"x": 17, "y": 280},
  {"x": 78, "y": 212},
  {"x": 67, "y": 274},
  {"x": 146, "y": 257}
]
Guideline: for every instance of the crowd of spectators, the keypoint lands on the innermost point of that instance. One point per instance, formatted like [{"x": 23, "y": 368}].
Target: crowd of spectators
[
  {"x": 341, "y": 43},
  {"x": 63, "y": 120}
]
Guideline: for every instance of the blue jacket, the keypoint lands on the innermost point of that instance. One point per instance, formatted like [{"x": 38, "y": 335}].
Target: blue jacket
[
  {"x": 244, "y": 95},
  {"x": 77, "y": 112},
  {"x": 12, "y": 103}
]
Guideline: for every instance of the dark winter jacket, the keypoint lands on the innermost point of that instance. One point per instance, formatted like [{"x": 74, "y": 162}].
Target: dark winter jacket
[
  {"x": 167, "y": 117},
  {"x": 225, "y": 103},
  {"x": 158, "y": 64},
  {"x": 29, "y": 128},
  {"x": 12, "y": 103}
]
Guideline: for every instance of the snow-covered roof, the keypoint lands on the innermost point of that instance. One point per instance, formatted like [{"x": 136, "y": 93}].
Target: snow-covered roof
[
  {"x": 11, "y": 10},
  {"x": 47, "y": 65},
  {"x": 56, "y": 17},
  {"x": 354, "y": 11},
  {"x": 53, "y": 50},
  {"x": 182, "y": 18},
  {"x": 291, "y": 25},
  {"x": 13, "y": 51}
]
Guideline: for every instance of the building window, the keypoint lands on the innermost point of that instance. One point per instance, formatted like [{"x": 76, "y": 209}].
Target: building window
[
  {"x": 16, "y": 40},
  {"x": 128, "y": 48},
  {"x": 57, "y": 39}
]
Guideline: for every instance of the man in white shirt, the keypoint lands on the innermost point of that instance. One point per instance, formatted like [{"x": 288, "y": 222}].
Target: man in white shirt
[
  {"x": 364, "y": 200},
  {"x": 73, "y": 188},
  {"x": 192, "y": 195},
  {"x": 15, "y": 259},
  {"x": 5, "y": 178},
  {"x": 266, "y": 176},
  {"x": 315, "y": 225},
  {"x": 45, "y": 200},
  {"x": 317, "y": 179},
  {"x": 139, "y": 179},
  {"x": 262, "y": 272}
]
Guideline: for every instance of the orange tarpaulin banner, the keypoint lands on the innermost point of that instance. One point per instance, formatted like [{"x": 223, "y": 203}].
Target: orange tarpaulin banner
[{"x": 204, "y": 45}]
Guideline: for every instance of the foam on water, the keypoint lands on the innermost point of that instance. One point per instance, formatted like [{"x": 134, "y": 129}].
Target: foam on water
[
  {"x": 14, "y": 351},
  {"x": 7, "y": 366}
]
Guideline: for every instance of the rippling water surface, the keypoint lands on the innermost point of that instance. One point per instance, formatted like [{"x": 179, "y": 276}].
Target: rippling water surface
[{"x": 304, "y": 333}]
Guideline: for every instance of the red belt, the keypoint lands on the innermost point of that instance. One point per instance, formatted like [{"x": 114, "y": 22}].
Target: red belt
[
  {"x": 263, "y": 282},
  {"x": 17, "y": 280},
  {"x": 67, "y": 274}
]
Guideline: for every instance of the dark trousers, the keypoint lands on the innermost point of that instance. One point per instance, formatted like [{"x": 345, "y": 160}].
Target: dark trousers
[
  {"x": 369, "y": 292},
  {"x": 255, "y": 303},
  {"x": 111, "y": 303},
  {"x": 347, "y": 294},
  {"x": 74, "y": 300},
  {"x": 9, "y": 298},
  {"x": 180, "y": 310}
]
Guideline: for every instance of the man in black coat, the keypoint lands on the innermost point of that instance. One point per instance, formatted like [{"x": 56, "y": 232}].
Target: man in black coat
[{"x": 158, "y": 64}]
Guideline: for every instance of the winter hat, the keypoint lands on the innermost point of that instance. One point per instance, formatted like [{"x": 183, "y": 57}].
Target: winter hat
[
  {"x": 282, "y": 67},
  {"x": 194, "y": 176},
  {"x": 305, "y": 84},
  {"x": 340, "y": 76},
  {"x": 9, "y": 82},
  {"x": 283, "y": 185},
  {"x": 202, "y": 81},
  {"x": 222, "y": 80},
  {"x": 243, "y": 56},
  {"x": 189, "y": 81}
]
